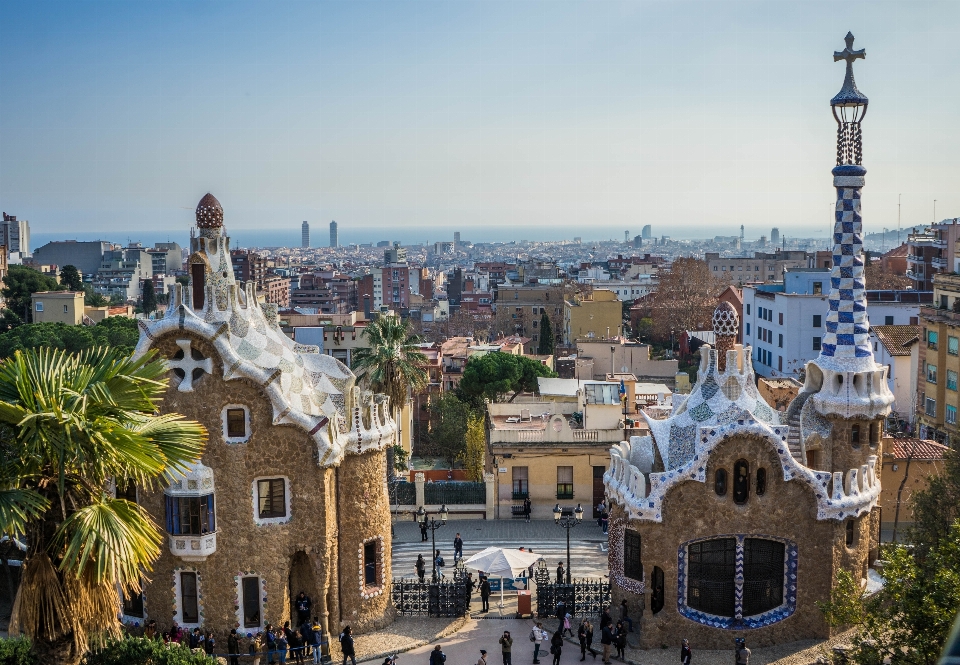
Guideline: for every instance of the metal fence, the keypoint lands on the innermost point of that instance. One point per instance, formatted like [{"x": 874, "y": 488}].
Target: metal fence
[
  {"x": 403, "y": 493},
  {"x": 583, "y": 598},
  {"x": 454, "y": 493},
  {"x": 441, "y": 599}
]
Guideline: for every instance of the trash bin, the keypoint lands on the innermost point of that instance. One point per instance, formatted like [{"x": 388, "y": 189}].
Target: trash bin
[{"x": 523, "y": 603}]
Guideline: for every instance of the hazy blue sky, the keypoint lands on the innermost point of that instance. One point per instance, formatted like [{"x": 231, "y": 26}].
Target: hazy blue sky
[{"x": 695, "y": 117}]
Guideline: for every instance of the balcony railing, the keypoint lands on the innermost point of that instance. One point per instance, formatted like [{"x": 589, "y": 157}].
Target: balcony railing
[
  {"x": 939, "y": 262},
  {"x": 564, "y": 494},
  {"x": 519, "y": 496}
]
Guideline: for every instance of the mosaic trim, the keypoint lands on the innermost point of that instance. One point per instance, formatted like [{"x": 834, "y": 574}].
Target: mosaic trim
[
  {"x": 368, "y": 592},
  {"x": 177, "y": 615},
  {"x": 738, "y": 621},
  {"x": 839, "y": 496},
  {"x": 615, "y": 558},
  {"x": 238, "y": 602}
]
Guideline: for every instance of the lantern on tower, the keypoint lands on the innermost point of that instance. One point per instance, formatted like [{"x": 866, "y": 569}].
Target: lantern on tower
[{"x": 849, "y": 108}]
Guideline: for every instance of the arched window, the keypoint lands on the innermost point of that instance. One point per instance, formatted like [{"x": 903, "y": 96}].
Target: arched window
[
  {"x": 712, "y": 577},
  {"x": 761, "y": 481},
  {"x": 632, "y": 562},
  {"x": 855, "y": 435},
  {"x": 741, "y": 481},
  {"x": 850, "y": 533},
  {"x": 710, "y": 583},
  {"x": 656, "y": 595},
  {"x": 762, "y": 575},
  {"x": 720, "y": 482}
]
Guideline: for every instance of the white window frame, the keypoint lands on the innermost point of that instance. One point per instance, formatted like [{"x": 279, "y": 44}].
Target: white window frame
[
  {"x": 246, "y": 423},
  {"x": 177, "y": 598},
  {"x": 238, "y": 586},
  {"x": 950, "y": 415},
  {"x": 256, "y": 501},
  {"x": 39, "y": 306}
]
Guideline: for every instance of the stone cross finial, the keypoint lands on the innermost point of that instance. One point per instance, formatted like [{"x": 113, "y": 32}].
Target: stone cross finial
[
  {"x": 848, "y": 53},
  {"x": 188, "y": 365}
]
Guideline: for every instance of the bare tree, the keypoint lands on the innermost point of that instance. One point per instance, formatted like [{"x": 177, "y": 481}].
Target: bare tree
[
  {"x": 685, "y": 298},
  {"x": 877, "y": 278}
]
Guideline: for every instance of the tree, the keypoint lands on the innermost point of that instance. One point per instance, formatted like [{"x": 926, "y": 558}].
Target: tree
[
  {"x": 92, "y": 298},
  {"x": 495, "y": 375},
  {"x": 69, "y": 424},
  {"x": 116, "y": 332},
  {"x": 474, "y": 453},
  {"x": 392, "y": 364},
  {"x": 936, "y": 507},
  {"x": 149, "y": 297},
  {"x": 70, "y": 278},
  {"x": 877, "y": 278},
  {"x": 546, "y": 344},
  {"x": 19, "y": 284},
  {"x": 447, "y": 437},
  {"x": 685, "y": 298}
]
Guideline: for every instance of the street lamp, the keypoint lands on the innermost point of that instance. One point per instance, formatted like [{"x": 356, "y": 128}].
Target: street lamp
[
  {"x": 568, "y": 523},
  {"x": 433, "y": 526}
]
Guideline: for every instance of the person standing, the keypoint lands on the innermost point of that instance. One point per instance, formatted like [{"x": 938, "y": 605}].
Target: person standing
[
  {"x": 685, "y": 653},
  {"x": 620, "y": 640},
  {"x": 601, "y": 507},
  {"x": 556, "y": 647},
  {"x": 585, "y": 635},
  {"x": 539, "y": 636},
  {"x": 742, "y": 653},
  {"x": 605, "y": 520},
  {"x": 485, "y": 595},
  {"x": 606, "y": 641},
  {"x": 439, "y": 563},
  {"x": 423, "y": 532},
  {"x": 457, "y": 548},
  {"x": 316, "y": 639},
  {"x": 469, "y": 587},
  {"x": 526, "y": 508},
  {"x": 421, "y": 567},
  {"x": 483, "y": 657},
  {"x": 437, "y": 657},
  {"x": 624, "y": 614},
  {"x": 346, "y": 646},
  {"x": 233, "y": 647},
  {"x": 303, "y": 604},
  {"x": 506, "y": 644},
  {"x": 560, "y": 573},
  {"x": 271, "y": 640},
  {"x": 208, "y": 643}
]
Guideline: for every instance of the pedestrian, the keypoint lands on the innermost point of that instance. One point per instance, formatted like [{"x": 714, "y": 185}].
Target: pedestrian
[
  {"x": 271, "y": 640},
  {"x": 150, "y": 632},
  {"x": 316, "y": 638},
  {"x": 566, "y": 625},
  {"x": 208, "y": 643},
  {"x": 283, "y": 642},
  {"x": 437, "y": 657},
  {"x": 685, "y": 653},
  {"x": 624, "y": 614},
  {"x": 606, "y": 641},
  {"x": 421, "y": 567},
  {"x": 600, "y": 508},
  {"x": 605, "y": 618},
  {"x": 561, "y": 611},
  {"x": 538, "y": 636},
  {"x": 256, "y": 647},
  {"x": 585, "y": 635},
  {"x": 439, "y": 563},
  {"x": 742, "y": 652},
  {"x": 346, "y": 646},
  {"x": 195, "y": 639},
  {"x": 620, "y": 640},
  {"x": 556, "y": 647},
  {"x": 469, "y": 587},
  {"x": 526, "y": 509},
  {"x": 303, "y": 604},
  {"x": 233, "y": 647},
  {"x": 605, "y": 520},
  {"x": 297, "y": 646},
  {"x": 506, "y": 642},
  {"x": 457, "y": 548},
  {"x": 483, "y": 657},
  {"x": 560, "y": 573},
  {"x": 423, "y": 532},
  {"x": 484, "y": 595}
]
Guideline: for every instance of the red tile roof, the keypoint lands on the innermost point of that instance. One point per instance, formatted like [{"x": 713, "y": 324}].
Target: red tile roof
[
  {"x": 897, "y": 339},
  {"x": 918, "y": 449}
]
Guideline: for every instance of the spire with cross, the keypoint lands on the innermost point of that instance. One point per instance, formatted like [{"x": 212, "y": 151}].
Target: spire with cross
[{"x": 849, "y": 94}]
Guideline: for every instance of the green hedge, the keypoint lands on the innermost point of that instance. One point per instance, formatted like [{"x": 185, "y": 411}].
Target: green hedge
[{"x": 126, "y": 651}]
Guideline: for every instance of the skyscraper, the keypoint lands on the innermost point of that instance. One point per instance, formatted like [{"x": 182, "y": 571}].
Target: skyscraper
[
  {"x": 775, "y": 236},
  {"x": 334, "y": 242},
  {"x": 15, "y": 234},
  {"x": 647, "y": 232},
  {"x": 305, "y": 234}
]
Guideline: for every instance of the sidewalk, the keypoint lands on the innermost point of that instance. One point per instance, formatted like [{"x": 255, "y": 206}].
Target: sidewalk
[{"x": 493, "y": 531}]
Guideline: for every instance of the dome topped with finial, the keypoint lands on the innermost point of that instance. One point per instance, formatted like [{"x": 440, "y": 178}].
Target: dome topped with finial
[
  {"x": 725, "y": 320},
  {"x": 209, "y": 212}
]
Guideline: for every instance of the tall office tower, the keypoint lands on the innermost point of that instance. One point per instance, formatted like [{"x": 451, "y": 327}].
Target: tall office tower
[
  {"x": 15, "y": 234},
  {"x": 775, "y": 236},
  {"x": 626, "y": 237},
  {"x": 741, "y": 233},
  {"x": 334, "y": 241},
  {"x": 637, "y": 241},
  {"x": 305, "y": 234},
  {"x": 456, "y": 237},
  {"x": 647, "y": 232}
]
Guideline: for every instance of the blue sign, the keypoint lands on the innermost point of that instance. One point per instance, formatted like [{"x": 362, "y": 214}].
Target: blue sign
[{"x": 509, "y": 584}]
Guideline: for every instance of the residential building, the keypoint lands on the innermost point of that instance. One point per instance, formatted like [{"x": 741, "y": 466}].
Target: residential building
[
  {"x": 276, "y": 290},
  {"x": 784, "y": 324},
  {"x": 939, "y": 363},
  {"x": 57, "y": 307},
  {"x": 15, "y": 235},
  {"x": 596, "y": 313},
  {"x": 762, "y": 267},
  {"x": 908, "y": 465},
  {"x": 327, "y": 291},
  {"x": 122, "y": 274},
  {"x": 930, "y": 252},
  {"x": 631, "y": 289},
  {"x": 86, "y": 256},
  {"x": 521, "y": 308},
  {"x": 897, "y": 347},
  {"x": 248, "y": 267},
  {"x": 597, "y": 358}
]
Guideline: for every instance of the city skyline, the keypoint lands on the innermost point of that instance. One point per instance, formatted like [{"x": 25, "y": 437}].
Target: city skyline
[{"x": 432, "y": 116}]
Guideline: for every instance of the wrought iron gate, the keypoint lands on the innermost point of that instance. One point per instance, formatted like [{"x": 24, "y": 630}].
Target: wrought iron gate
[
  {"x": 442, "y": 599},
  {"x": 583, "y": 598}
]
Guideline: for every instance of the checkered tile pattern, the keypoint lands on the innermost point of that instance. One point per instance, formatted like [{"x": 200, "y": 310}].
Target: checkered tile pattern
[{"x": 848, "y": 330}]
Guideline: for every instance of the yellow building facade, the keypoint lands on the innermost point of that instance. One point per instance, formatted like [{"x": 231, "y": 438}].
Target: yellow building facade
[
  {"x": 939, "y": 363},
  {"x": 595, "y": 314},
  {"x": 57, "y": 307}
]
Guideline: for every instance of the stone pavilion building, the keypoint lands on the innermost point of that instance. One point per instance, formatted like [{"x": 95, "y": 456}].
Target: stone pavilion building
[{"x": 732, "y": 520}]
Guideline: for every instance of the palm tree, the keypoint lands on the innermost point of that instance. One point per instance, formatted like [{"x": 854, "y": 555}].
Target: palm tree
[
  {"x": 69, "y": 426},
  {"x": 392, "y": 364}
]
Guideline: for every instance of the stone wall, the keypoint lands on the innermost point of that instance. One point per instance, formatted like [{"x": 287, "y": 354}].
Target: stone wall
[
  {"x": 693, "y": 510},
  {"x": 302, "y": 554}
]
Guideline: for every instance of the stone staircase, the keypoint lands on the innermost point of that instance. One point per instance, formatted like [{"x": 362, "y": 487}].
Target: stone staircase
[{"x": 793, "y": 438}]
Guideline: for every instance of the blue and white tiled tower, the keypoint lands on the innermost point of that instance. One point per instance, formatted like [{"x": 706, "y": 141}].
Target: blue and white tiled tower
[{"x": 850, "y": 381}]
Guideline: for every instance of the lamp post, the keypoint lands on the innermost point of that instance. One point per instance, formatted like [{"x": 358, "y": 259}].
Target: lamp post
[
  {"x": 433, "y": 526},
  {"x": 568, "y": 523}
]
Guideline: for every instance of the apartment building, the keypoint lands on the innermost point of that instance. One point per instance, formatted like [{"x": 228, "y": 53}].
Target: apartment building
[
  {"x": 248, "y": 267},
  {"x": 596, "y": 313},
  {"x": 939, "y": 363},
  {"x": 525, "y": 304},
  {"x": 762, "y": 267}
]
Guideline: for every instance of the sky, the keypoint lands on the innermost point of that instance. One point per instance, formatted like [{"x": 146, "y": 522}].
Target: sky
[{"x": 526, "y": 117}]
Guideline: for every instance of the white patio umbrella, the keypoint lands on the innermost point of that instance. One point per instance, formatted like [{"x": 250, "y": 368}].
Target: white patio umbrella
[{"x": 501, "y": 563}]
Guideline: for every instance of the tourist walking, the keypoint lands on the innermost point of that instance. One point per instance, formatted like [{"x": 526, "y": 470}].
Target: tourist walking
[
  {"x": 538, "y": 636},
  {"x": 233, "y": 647},
  {"x": 316, "y": 639},
  {"x": 421, "y": 566},
  {"x": 556, "y": 647},
  {"x": 606, "y": 641},
  {"x": 566, "y": 625},
  {"x": 605, "y": 520},
  {"x": 685, "y": 653},
  {"x": 601, "y": 508},
  {"x": 346, "y": 646},
  {"x": 483, "y": 657},
  {"x": 585, "y": 635},
  {"x": 303, "y": 604},
  {"x": 742, "y": 652},
  {"x": 423, "y": 532},
  {"x": 437, "y": 657},
  {"x": 457, "y": 548},
  {"x": 485, "y": 595},
  {"x": 439, "y": 563},
  {"x": 620, "y": 640},
  {"x": 624, "y": 614},
  {"x": 506, "y": 643},
  {"x": 526, "y": 510}
]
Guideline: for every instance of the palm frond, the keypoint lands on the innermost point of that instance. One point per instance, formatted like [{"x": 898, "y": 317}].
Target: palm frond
[{"x": 18, "y": 506}]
